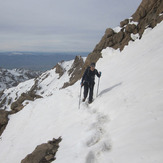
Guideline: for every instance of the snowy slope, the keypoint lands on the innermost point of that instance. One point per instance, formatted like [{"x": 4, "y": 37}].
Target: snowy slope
[
  {"x": 122, "y": 125},
  {"x": 11, "y": 78}
]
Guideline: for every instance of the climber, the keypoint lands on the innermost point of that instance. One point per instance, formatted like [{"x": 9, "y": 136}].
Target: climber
[{"x": 88, "y": 81}]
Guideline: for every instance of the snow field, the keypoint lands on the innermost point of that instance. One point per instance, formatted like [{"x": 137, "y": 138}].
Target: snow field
[
  {"x": 135, "y": 96},
  {"x": 122, "y": 125}
]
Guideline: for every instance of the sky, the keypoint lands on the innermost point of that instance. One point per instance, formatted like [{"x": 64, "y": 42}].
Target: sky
[{"x": 59, "y": 25}]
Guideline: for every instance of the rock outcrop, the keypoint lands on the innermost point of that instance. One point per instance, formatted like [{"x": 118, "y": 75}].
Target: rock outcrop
[
  {"x": 3, "y": 120},
  {"x": 59, "y": 69},
  {"x": 44, "y": 153},
  {"x": 148, "y": 14},
  {"x": 75, "y": 71},
  {"x": 30, "y": 95}
]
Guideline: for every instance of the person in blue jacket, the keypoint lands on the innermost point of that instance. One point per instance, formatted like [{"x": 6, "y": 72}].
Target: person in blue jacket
[{"x": 88, "y": 81}]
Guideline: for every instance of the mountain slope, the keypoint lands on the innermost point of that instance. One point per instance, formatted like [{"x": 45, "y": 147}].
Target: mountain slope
[
  {"x": 124, "y": 124},
  {"x": 147, "y": 15},
  {"x": 11, "y": 78}
]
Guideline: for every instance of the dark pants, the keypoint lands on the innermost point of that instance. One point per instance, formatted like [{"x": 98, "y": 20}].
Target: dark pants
[{"x": 88, "y": 87}]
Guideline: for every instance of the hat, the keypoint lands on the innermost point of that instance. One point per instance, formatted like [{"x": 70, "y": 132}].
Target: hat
[{"x": 93, "y": 64}]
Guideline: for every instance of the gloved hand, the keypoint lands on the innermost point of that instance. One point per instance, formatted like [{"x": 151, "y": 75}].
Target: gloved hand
[
  {"x": 100, "y": 73},
  {"x": 81, "y": 84}
]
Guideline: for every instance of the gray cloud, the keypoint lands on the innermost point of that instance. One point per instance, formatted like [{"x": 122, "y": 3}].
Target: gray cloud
[{"x": 59, "y": 25}]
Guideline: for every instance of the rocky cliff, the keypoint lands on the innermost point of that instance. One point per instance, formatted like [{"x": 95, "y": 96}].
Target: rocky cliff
[{"x": 148, "y": 14}]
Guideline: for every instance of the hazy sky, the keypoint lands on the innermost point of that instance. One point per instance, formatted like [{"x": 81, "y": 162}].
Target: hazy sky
[{"x": 59, "y": 25}]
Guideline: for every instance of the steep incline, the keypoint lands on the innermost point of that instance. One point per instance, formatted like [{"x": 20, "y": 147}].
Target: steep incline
[
  {"x": 148, "y": 14},
  {"x": 124, "y": 124}
]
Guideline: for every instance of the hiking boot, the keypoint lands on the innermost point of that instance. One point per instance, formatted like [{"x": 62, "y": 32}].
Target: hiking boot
[
  {"x": 83, "y": 99},
  {"x": 89, "y": 102}
]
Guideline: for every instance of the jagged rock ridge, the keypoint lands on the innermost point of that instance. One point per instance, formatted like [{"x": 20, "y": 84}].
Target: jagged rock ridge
[
  {"x": 148, "y": 14},
  {"x": 75, "y": 71}
]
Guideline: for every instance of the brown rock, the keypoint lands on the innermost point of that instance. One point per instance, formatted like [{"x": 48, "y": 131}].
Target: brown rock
[
  {"x": 3, "y": 120},
  {"x": 59, "y": 69},
  {"x": 3, "y": 102},
  {"x": 38, "y": 154},
  {"x": 118, "y": 37},
  {"x": 49, "y": 157},
  {"x": 31, "y": 96},
  {"x": 109, "y": 32},
  {"x": 125, "y": 41},
  {"x": 143, "y": 9},
  {"x": 3, "y": 117},
  {"x": 43, "y": 153},
  {"x": 124, "y": 22},
  {"x": 109, "y": 42},
  {"x": 75, "y": 71},
  {"x": 130, "y": 28},
  {"x": 147, "y": 14}
]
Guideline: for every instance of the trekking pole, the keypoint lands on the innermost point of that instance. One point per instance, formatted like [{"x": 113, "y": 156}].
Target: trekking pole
[
  {"x": 98, "y": 86},
  {"x": 80, "y": 96}
]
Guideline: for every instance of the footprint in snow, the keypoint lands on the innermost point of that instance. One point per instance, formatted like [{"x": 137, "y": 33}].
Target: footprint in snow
[
  {"x": 96, "y": 137},
  {"x": 91, "y": 158}
]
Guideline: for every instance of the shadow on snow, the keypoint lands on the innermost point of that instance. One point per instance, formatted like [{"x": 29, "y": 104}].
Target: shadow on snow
[{"x": 109, "y": 89}]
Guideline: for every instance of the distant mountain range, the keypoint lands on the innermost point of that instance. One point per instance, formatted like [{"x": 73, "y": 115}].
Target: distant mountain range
[
  {"x": 16, "y": 67},
  {"x": 10, "y": 78},
  {"x": 40, "y": 61}
]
